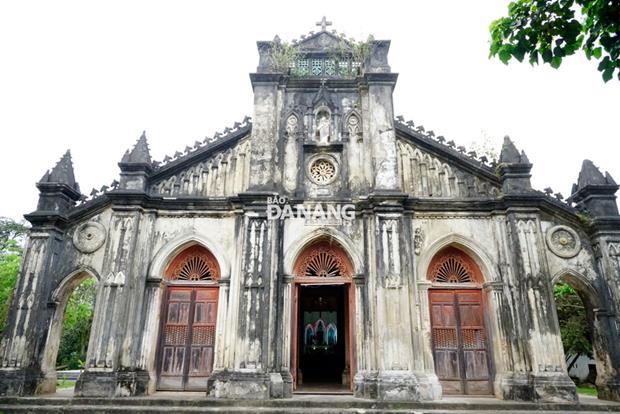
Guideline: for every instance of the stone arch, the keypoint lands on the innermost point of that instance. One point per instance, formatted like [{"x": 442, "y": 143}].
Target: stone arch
[
  {"x": 476, "y": 252},
  {"x": 300, "y": 244},
  {"x": 323, "y": 257},
  {"x": 170, "y": 250},
  {"x": 603, "y": 325},
  {"x": 190, "y": 270},
  {"x": 59, "y": 299},
  {"x": 345, "y": 121},
  {"x": 480, "y": 325},
  {"x": 581, "y": 284},
  {"x": 452, "y": 265}
]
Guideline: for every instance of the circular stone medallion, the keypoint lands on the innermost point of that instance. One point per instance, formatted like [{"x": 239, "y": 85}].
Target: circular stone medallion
[
  {"x": 563, "y": 241},
  {"x": 89, "y": 237},
  {"x": 322, "y": 171}
]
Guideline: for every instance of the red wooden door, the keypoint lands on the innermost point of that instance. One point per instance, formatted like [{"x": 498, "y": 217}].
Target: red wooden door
[
  {"x": 459, "y": 341},
  {"x": 187, "y": 338}
]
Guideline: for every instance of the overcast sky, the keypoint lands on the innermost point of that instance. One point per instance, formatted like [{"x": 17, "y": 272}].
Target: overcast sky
[{"x": 90, "y": 76}]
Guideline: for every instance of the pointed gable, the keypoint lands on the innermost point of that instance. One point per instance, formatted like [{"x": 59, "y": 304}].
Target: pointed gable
[
  {"x": 323, "y": 42},
  {"x": 62, "y": 173},
  {"x": 140, "y": 153}
]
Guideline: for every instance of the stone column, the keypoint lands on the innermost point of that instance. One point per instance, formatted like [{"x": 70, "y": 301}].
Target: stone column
[
  {"x": 392, "y": 375},
  {"x": 424, "y": 364},
  {"x": 606, "y": 341},
  {"x": 222, "y": 316},
  {"x": 112, "y": 365},
  {"x": 254, "y": 374},
  {"x": 381, "y": 142},
  {"x": 24, "y": 340},
  {"x": 535, "y": 315},
  {"x": 263, "y": 154},
  {"x": 286, "y": 340}
]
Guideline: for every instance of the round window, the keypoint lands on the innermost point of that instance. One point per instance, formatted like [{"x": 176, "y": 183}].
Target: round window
[{"x": 322, "y": 171}]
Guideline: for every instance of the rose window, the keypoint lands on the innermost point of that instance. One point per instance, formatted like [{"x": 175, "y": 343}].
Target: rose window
[{"x": 322, "y": 171}]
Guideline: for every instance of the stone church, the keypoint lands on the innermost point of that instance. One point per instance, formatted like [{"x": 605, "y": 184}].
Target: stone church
[{"x": 321, "y": 244}]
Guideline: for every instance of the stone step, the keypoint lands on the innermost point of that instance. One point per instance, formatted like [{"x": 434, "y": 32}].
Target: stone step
[
  {"x": 196, "y": 402},
  {"x": 141, "y": 409}
]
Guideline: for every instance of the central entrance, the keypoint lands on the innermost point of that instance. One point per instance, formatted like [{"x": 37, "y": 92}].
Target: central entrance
[
  {"x": 323, "y": 314},
  {"x": 321, "y": 337}
]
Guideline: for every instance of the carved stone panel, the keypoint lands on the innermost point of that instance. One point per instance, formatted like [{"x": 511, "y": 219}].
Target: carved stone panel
[
  {"x": 89, "y": 237},
  {"x": 563, "y": 241}
]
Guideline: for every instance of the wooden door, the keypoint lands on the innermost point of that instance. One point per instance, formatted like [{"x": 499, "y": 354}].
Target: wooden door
[
  {"x": 187, "y": 338},
  {"x": 459, "y": 341}
]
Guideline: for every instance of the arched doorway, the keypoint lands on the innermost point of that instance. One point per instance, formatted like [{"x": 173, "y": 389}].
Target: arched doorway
[
  {"x": 584, "y": 329},
  {"x": 459, "y": 334},
  {"x": 323, "y": 318},
  {"x": 77, "y": 291},
  {"x": 188, "y": 320}
]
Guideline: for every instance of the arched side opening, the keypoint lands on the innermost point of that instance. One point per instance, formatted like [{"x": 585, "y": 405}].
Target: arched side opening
[
  {"x": 323, "y": 317},
  {"x": 584, "y": 336},
  {"x": 188, "y": 320},
  {"x": 460, "y": 343},
  {"x": 69, "y": 329}
]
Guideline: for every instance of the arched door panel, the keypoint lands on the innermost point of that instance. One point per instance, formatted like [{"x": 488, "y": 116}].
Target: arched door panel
[
  {"x": 188, "y": 338},
  {"x": 189, "y": 316},
  {"x": 459, "y": 340}
]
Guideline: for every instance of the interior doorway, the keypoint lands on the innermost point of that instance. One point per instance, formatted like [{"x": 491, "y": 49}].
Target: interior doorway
[{"x": 321, "y": 337}]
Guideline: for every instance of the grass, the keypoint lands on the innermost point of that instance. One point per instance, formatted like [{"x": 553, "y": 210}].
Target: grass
[
  {"x": 65, "y": 383},
  {"x": 587, "y": 390}
]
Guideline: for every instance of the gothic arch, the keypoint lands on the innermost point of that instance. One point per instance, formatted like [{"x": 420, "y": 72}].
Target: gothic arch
[
  {"x": 299, "y": 245},
  {"x": 323, "y": 257},
  {"x": 452, "y": 265},
  {"x": 170, "y": 250},
  {"x": 59, "y": 298},
  {"x": 69, "y": 282},
  {"x": 581, "y": 283},
  {"x": 476, "y": 252},
  {"x": 605, "y": 351}
]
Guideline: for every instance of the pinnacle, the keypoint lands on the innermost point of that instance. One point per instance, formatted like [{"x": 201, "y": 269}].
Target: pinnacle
[
  {"x": 140, "y": 153},
  {"x": 62, "y": 173}
]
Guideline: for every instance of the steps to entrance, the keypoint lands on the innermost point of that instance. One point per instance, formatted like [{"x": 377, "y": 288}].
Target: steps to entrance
[{"x": 325, "y": 404}]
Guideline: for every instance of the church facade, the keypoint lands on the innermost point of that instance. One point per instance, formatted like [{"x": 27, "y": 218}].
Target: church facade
[{"x": 323, "y": 242}]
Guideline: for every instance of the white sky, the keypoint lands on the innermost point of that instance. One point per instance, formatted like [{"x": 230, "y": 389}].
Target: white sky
[{"x": 90, "y": 76}]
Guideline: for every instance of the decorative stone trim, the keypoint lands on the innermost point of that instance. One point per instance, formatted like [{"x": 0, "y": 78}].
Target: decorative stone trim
[
  {"x": 322, "y": 169},
  {"x": 89, "y": 237},
  {"x": 563, "y": 241}
]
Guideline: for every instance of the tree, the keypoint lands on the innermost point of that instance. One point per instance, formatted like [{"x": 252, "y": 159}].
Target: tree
[
  {"x": 11, "y": 236},
  {"x": 76, "y": 326},
  {"x": 575, "y": 329},
  {"x": 554, "y": 29}
]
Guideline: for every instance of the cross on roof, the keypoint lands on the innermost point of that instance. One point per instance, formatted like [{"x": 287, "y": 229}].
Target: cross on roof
[{"x": 324, "y": 23}]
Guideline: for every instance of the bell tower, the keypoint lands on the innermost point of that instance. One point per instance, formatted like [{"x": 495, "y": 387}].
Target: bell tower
[{"x": 323, "y": 117}]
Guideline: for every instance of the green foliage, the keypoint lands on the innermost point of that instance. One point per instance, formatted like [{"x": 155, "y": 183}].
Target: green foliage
[
  {"x": 76, "y": 326},
  {"x": 10, "y": 260},
  {"x": 553, "y": 29},
  {"x": 587, "y": 390},
  {"x": 10, "y": 230},
  {"x": 357, "y": 50},
  {"x": 282, "y": 56},
  {"x": 574, "y": 327},
  {"x": 11, "y": 235}
]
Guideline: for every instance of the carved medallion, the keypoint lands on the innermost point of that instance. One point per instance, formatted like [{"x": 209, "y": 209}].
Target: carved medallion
[
  {"x": 563, "y": 241},
  {"x": 89, "y": 237},
  {"x": 322, "y": 171}
]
